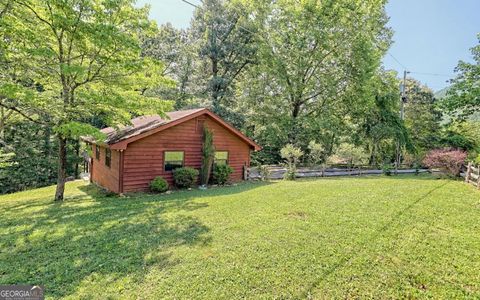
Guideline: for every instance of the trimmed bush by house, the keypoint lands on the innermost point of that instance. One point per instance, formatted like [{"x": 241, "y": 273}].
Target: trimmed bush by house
[
  {"x": 185, "y": 177},
  {"x": 158, "y": 185},
  {"x": 221, "y": 174},
  {"x": 448, "y": 160}
]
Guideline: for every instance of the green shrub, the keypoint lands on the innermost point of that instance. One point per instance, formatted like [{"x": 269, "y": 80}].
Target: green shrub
[
  {"x": 185, "y": 177},
  {"x": 387, "y": 169},
  {"x": 158, "y": 185},
  {"x": 477, "y": 160},
  {"x": 290, "y": 174},
  {"x": 348, "y": 154},
  {"x": 264, "y": 172},
  {"x": 317, "y": 154},
  {"x": 221, "y": 174},
  {"x": 291, "y": 154},
  {"x": 417, "y": 167}
]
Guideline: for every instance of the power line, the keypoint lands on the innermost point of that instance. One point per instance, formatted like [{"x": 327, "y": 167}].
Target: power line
[
  {"x": 403, "y": 66},
  {"x": 190, "y": 3},
  {"x": 239, "y": 26},
  {"x": 432, "y": 74},
  {"x": 266, "y": 40}
]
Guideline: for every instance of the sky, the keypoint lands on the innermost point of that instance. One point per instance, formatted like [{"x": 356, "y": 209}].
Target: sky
[{"x": 430, "y": 36}]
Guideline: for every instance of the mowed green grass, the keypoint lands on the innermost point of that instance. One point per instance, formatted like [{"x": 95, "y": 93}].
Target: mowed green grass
[{"x": 370, "y": 237}]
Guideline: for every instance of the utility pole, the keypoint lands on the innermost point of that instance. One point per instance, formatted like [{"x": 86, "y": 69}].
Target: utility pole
[{"x": 403, "y": 100}]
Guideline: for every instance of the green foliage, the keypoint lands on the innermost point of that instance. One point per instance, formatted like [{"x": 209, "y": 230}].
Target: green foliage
[
  {"x": 387, "y": 169},
  {"x": 226, "y": 50},
  {"x": 264, "y": 172},
  {"x": 72, "y": 61},
  {"x": 314, "y": 63},
  {"x": 413, "y": 160},
  {"x": 208, "y": 155},
  {"x": 455, "y": 140},
  {"x": 77, "y": 130},
  {"x": 477, "y": 160},
  {"x": 6, "y": 159},
  {"x": 463, "y": 96},
  {"x": 176, "y": 49},
  {"x": 291, "y": 155},
  {"x": 185, "y": 177},
  {"x": 31, "y": 159},
  {"x": 316, "y": 153},
  {"x": 159, "y": 185},
  {"x": 422, "y": 117},
  {"x": 348, "y": 154},
  {"x": 380, "y": 128},
  {"x": 464, "y": 135},
  {"x": 221, "y": 174}
]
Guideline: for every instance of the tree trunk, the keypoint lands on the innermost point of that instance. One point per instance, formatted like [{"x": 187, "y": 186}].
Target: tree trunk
[
  {"x": 77, "y": 155},
  {"x": 371, "y": 160},
  {"x": 292, "y": 135},
  {"x": 47, "y": 145},
  {"x": 215, "y": 87},
  {"x": 62, "y": 168},
  {"x": 2, "y": 123}
]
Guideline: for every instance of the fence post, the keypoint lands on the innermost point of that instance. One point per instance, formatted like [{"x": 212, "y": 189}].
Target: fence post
[
  {"x": 478, "y": 178},
  {"x": 469, "y": 169}
]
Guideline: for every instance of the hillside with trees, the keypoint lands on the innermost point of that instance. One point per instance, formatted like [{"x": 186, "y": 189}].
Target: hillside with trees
[{"x": 299, "y": 74}]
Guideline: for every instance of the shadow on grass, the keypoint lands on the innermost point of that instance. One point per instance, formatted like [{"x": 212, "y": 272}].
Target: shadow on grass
[
  {"x": 361, "y": 247},
  {"x": 95, "y": 235}
]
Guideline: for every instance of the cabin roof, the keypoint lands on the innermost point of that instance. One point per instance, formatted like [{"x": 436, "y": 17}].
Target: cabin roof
[{"x": 146, "y": 125}]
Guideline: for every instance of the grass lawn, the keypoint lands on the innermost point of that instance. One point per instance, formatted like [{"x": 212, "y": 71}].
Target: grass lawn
[{"x": 370, "y": 237}]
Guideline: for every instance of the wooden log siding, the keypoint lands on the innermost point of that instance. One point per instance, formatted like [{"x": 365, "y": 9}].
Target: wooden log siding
[
  {"x": 143, "y": 159},
  {"x": 107, "y": 177}
]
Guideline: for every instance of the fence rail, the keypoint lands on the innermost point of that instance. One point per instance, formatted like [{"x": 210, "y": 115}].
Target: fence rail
[
  {"x": 277, "y": 172},
  {"x": 472, "y": 175}
]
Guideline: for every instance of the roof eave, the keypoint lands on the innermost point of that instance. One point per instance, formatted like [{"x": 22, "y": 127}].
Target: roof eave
[{"x": 122, "y": 144}]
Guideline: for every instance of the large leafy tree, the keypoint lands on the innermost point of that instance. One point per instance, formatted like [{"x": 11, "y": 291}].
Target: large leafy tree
[
  {"x": 422, "y": 117},
  {"x": 314, "y": 61},
  {"x": 76, "y": 59},
  {"x": 226, "y": 47},
  {"x": 380, "y": 128},
  {"x": 176, "y": 48},
  {"x": 463, "y": 97}
]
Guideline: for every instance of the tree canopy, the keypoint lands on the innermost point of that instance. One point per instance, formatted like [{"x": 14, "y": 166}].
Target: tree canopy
[
  {"x": 307, "y": 74},
  {"x": 463, "y": 97},
  {"x": 70, "y": 61}
]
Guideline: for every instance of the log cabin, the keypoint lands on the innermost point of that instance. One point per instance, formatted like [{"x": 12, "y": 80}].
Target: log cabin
[{"x": 132, "y": 156}]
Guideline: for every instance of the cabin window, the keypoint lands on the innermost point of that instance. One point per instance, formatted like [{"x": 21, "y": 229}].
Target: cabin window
[
  {"x": 221, "y": 157},
  {"x": 97, "y": 152},
  {"x": 173, "y": 160},
  {"x": 108, "y": 157}
]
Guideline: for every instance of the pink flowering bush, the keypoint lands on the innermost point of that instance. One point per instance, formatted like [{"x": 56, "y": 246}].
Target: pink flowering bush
[{"x": 448, "y": 160}]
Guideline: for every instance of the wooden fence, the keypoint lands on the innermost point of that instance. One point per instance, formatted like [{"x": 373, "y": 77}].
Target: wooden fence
[
  {"x": 277, "y": 172},
  {"x": 472, "y": 175}
]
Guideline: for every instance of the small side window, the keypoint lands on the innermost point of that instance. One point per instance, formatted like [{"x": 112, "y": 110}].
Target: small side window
[
  {"x": 173, "y": 160},
  {"x": 221, "y": 157},
  {"x": 108, "y": 157},
  {"x": 97, "y": 152}
]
